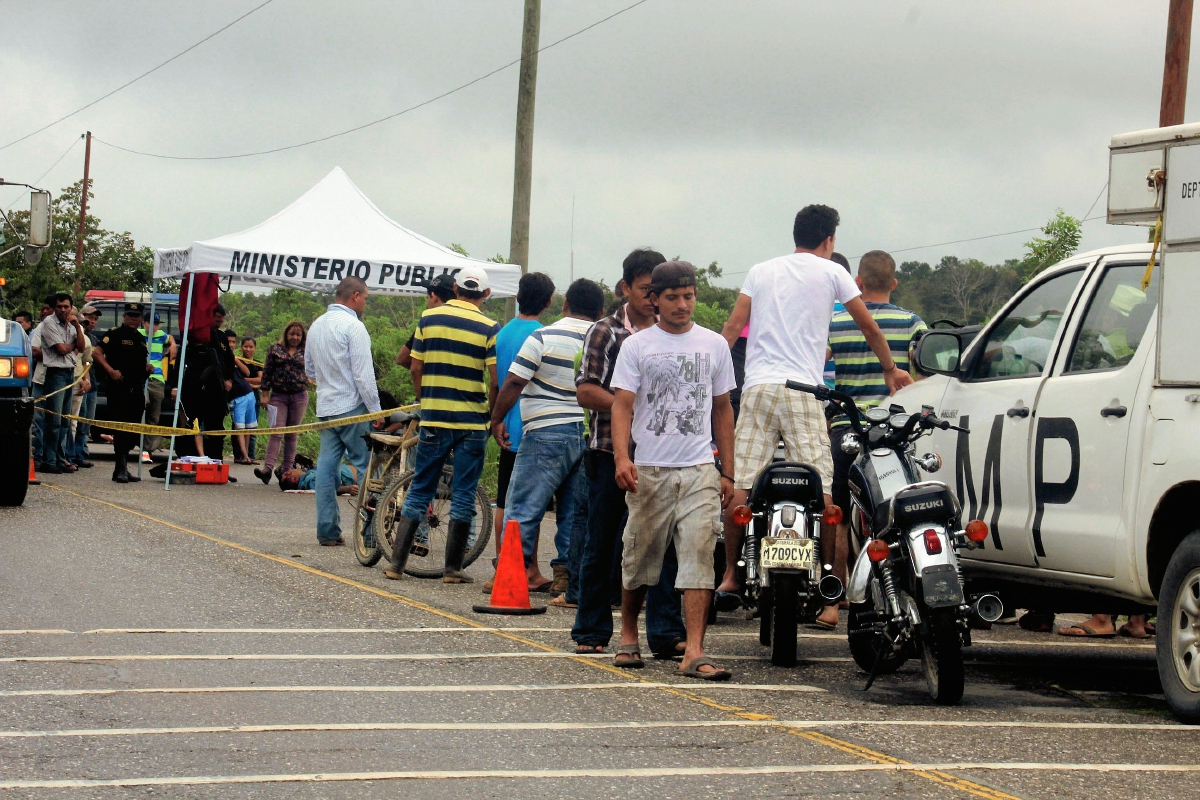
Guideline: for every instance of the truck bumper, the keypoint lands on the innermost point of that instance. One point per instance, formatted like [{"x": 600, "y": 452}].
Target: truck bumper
[{"x": 16, "y": 416}]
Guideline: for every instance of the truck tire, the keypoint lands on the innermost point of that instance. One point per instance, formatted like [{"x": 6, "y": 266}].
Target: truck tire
[
  {"x": 1178, "y": 639},
  {"x": 14, "y": 470}
]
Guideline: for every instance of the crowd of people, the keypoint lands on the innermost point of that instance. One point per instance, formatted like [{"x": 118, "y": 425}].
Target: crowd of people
[
  {"x": 643, "y": 429},
  {"x": 616, "y": 417}
]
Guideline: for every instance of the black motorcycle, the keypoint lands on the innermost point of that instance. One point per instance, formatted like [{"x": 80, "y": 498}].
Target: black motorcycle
[
  {"x": 906, "y": 588},
  {"x": 781, "y": 567}
]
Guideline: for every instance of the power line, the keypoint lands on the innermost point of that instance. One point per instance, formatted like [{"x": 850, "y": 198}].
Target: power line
[
  {"x": 37, "y": 181},
  {"x": 1097, "y": 200},
  {"x": 956, "y": 241},
  {"x": 139, "y": 77},
  {"x": 372, "y": 123}
]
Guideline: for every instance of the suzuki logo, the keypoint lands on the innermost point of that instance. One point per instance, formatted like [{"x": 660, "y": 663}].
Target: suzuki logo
[
  {"x": 789, "y": 481},
  {"x": 923, "y": 506}
]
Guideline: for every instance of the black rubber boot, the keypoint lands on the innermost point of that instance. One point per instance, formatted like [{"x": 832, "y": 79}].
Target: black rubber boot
[
  {"x": 405, "y": 531},
  {"x": 457, "y": 534},
  {"x": 121, "y": 468}
]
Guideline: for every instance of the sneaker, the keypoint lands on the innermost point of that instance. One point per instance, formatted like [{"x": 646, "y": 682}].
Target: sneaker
[{"x": 146, "y": 459}]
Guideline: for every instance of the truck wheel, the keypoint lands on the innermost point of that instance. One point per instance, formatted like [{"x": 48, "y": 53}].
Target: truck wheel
[
  {"x": 14, "y": 471},
  {"x": 1178, "y": 645},
  {"x": 785, "y": 602}
]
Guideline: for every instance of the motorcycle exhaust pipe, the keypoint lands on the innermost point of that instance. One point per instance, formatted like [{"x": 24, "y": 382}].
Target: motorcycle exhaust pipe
[
  {"x": 988, "y": 607},
  {"x": 831, "y": 589}
]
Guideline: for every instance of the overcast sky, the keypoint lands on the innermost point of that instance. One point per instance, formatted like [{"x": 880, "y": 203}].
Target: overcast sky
[{"x": 699, "y": 128}]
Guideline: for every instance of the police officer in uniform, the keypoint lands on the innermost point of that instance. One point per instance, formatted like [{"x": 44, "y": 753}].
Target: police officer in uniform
[{"x": 124, "y": 360}]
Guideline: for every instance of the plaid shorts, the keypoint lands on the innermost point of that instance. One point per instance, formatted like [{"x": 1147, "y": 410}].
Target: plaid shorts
[{"x": 771, "y": 412}]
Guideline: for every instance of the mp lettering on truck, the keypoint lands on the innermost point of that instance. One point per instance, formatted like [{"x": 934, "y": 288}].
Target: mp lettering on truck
[{"x": 1044, "y": 492}]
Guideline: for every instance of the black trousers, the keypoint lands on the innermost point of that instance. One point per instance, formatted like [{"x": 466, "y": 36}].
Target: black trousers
[{"x": 126, "y": 401}]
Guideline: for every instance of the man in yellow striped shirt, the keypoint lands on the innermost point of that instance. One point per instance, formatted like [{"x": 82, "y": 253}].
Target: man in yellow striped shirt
[{"x": 454, "y": 377}]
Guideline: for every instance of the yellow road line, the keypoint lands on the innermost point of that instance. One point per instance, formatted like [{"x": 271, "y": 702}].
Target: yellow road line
[{"x": 943, "y": 778}]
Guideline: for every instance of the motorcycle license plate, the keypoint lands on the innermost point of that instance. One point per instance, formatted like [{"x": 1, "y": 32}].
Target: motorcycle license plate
[{"x": 788, "y": 554}]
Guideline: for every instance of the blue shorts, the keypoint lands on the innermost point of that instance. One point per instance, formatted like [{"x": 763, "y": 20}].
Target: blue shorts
[{"x": 244, "y": 411}]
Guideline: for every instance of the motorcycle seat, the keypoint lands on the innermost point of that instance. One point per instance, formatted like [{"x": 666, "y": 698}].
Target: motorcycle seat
[{"x": 787, "y": 480}]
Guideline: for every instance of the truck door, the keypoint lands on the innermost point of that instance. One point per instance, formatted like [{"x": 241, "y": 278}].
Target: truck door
[
  {"x": 1083, "y": 416},
  {"x": 995, "y": 401}
]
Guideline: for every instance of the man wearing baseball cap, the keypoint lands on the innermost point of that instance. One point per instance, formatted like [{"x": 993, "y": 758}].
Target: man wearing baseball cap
[
  {"x": 439, "y": 291},
  {"x": 454, "y": 379}
]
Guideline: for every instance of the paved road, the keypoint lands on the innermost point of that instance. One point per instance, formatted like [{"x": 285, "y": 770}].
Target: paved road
[{"x": 199, "y": 643}]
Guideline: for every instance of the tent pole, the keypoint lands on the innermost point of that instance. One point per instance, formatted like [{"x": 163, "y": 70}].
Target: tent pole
[
  {"x": 149, "y": 323},
  {"x": 187, "y": 327}
]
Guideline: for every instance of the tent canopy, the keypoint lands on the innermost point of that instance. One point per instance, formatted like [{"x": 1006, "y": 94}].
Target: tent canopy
[{"x": 331, "y": 232}]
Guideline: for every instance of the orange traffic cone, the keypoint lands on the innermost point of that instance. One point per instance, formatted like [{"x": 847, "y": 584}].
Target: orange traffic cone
[
  {"x": 510, "y": 589},
  {"x": 33, "y": 481}
]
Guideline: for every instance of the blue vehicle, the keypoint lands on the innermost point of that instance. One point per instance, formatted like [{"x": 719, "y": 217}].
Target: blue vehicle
[{"x": 16, "y": 409}]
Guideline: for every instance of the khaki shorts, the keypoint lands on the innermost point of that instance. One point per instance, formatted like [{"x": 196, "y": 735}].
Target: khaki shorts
[
  {"x": 771, "y": 412},
  {"x": 680, "y": 504}
]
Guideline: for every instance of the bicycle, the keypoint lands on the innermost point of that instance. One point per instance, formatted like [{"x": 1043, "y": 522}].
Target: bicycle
[{"x": 389, "y": 474}]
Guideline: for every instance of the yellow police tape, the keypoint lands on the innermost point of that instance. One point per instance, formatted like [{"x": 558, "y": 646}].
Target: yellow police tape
[
  {"x": 166, "y": 430},
  {"x": 74, "y": 383}
]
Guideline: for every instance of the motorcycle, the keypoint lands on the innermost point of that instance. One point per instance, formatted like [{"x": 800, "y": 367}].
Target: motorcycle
[
  {"x": 906, "y": 588},
  {"x": 780, "y": 567}
]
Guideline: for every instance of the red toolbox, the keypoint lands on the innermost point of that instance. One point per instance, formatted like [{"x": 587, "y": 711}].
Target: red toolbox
[{"x": 212, "y": 473}]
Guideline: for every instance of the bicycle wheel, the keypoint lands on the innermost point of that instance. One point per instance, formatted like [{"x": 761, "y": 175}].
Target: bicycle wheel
[
  {"x": 432, "y": 531},
  {"x": 367, "y": 548}
]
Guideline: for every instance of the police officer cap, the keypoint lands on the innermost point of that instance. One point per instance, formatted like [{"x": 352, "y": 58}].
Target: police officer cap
[
  {"x": 445, "y": 282},
  {"x": 672, "y": 275},
  {"x": 133, "y": 308}
]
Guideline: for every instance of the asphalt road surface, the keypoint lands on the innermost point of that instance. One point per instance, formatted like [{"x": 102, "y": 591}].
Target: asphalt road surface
[{"x": 199, "y": 643}]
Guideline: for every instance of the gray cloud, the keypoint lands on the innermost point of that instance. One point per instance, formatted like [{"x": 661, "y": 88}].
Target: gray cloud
[{"x": 697, "y": 127}]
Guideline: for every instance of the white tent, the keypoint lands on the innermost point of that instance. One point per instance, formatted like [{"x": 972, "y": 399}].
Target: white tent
[{"x": 331, "y": 232}]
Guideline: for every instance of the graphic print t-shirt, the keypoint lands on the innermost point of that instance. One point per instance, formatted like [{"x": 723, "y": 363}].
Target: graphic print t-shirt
[{"x": 674, "y": 378}]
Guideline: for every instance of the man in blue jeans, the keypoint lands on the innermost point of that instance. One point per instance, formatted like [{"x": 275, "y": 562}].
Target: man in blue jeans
[
  {"x": 454, "y": 378},
  {"x": 61, "y": 339},
  {"x": 599, "y": 580},
  {"x": 338, "y": 358},
  {"x": 549, "y": 460}
]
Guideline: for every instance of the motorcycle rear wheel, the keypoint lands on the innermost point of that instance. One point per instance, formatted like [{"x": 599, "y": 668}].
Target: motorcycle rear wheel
[
  {"x": 785, "y": 605},
  {"x": 942, "y": 661},
  {"x": 764, "y": 617}
]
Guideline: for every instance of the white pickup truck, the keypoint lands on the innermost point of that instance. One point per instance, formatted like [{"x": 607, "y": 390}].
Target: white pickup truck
[{"x": 1082, "y": 396}]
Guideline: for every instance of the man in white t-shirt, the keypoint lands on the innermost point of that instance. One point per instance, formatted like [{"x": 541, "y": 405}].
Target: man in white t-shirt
[
  {"x": 671, "y": 390},
  {"x": 792, "y": 299}
]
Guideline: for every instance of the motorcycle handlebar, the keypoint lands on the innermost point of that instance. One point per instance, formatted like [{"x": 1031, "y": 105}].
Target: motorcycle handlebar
[{"x": 840, "y": 399}]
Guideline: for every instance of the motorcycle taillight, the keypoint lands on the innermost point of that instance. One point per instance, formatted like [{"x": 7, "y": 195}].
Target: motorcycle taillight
[{"x": 933, "y": 542}]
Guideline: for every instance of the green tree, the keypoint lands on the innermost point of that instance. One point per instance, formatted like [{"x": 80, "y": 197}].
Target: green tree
[
  {"x": 111, "y": 260},
  {"x": 1062, "y": 235}
]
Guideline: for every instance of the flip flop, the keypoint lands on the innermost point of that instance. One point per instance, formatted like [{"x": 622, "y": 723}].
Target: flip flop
[
  {"x": 693, "y": 670},
  {"x": 542, "y": 588},
  {"x": 823, "y": 625},
  {"x": 589, "y": 649},
  {"x": 673, "y": 650},
  {"x": 727, "y": 601},
  {"x": 1125, "y": 630},
  {"x": 1088, "y": 632},
  {"x": 632, "y": 659}
]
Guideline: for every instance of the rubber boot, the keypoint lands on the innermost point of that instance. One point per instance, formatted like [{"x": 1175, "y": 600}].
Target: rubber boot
[
  {"x": 457, "y": 534},
  {"x": 405, "y": 532},
  {"x": 121, "y": 469}
]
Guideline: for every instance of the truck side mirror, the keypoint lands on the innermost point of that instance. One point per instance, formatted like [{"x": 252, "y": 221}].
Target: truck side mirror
[
  {"x": 939, "y": 352},
  {"x": 41, "y": 220}
]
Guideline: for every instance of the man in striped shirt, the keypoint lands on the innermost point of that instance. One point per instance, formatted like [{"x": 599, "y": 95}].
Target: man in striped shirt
[
  {"x": 550, "y": 459},
  {"x": 860, "y": 375},
  {"x": 454, "y": 378}
]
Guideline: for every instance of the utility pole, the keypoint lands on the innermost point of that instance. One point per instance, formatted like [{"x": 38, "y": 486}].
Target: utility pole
[
  {"x": 1175, "y": 66},
  {"x": 518, "y": 247},
  {"x": 572, "y": 237},
  {"x": 87, "y": 168}
]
